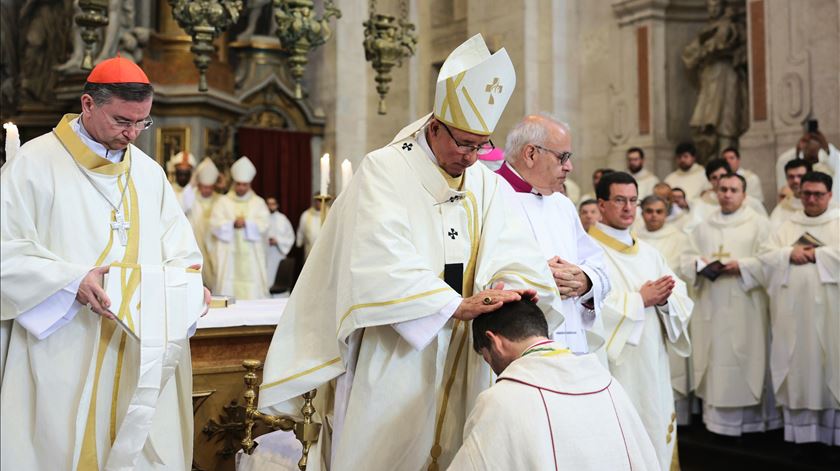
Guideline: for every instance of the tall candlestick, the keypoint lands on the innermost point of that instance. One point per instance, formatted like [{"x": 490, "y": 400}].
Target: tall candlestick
[
  {"x": 346, "y": 174},
  {"x": 12, "y": 140},
  {"x": 325, "y": 173}
]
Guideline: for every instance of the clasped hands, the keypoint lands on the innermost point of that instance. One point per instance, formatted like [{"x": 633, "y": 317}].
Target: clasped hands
[
  {"x": 656, "y": 292},
  {"x": 571, "y": 281},
  {"x": 489, "y": 300},
  {"x": 92, "y": 294},
  {"x": 239, "y": 223},
  {"x": 802, "y": 254}
]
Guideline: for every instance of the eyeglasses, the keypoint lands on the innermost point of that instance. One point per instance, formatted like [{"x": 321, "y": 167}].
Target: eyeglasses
[
  {"x": 125, "y": 124},
  {"x": 622, "y": 202},
  {"x": 813, "y": 194},
  {"x": 481, "y": 149},
  {"x": 563, "y": 157}
]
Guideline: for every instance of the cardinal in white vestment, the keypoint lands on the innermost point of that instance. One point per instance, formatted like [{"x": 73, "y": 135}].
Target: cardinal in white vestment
[
  {"x": 538, "y": 158},
  {"x": 647, "y": 307},
  {"x": 549, "y": 409},
  {"x": 636, "y": 167},
  {"x": 182, "y": 165},
  {"x": 239, "y": 221},
  {"x": 800, "y": 269},
  {"x": 421, "y": 242},
  {"x": 279, "y": 239},
  {"x": 689, "y": 175},
  {"x": 199, "y": 217},
  {"x": 309, "y": 226},
  {"x": 82, "y": 392},
  {"x": 729, "y": 328},
  {"x": 679, "y": 251}
]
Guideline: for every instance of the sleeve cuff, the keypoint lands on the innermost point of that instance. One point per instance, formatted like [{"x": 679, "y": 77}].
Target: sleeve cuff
[
  {"x": 52, "y": 313},
  {"x": 420, "y": 332},
  {"x": 224, "y": 233},
  {"x": 252, "y": 232}
]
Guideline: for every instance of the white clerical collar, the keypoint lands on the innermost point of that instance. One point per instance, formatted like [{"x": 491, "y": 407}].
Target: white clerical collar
[
  {"x": 424, "y": 144},
  {"x": 621, "y": 235},
  {"x": 113, "y": 155}
]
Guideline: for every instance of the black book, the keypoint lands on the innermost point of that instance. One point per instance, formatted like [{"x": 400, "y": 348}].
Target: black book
[
  {"x": 713, "y": 270},
  {"x": 808, "y": 240}
]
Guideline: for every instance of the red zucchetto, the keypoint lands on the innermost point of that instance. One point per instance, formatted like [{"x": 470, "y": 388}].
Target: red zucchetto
[{"x": 117, "y": 70}]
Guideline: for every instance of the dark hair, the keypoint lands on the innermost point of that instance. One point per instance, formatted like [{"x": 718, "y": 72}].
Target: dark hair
[
  {"x": 684, "y": 147},
  {"x": 602, "y": 171},
  {"x": 514, "y": 321},
  {"x": 676, "y": 188},
  {"x": 739, "y": 177},
  {"x": 650, "y": 199},
  {"x": 586, "y": 202},
  {"x": 621, "y": 178},
  {"x": 818, "y": 177},
  {"x": 102, "y": 93},
  {"x": 714, "y": 165},
  {"x": 730, "y": 149},
  {"x": 796, "y": 163},
  {"x": 636, "y": 149}
]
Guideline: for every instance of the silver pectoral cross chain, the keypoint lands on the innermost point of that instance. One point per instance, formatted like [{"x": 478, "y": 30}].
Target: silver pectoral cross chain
[{"x": 121, "y": 226}]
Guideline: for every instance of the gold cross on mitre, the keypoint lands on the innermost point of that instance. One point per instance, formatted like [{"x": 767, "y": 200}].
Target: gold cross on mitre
[
  {"x": 720, "y": 254},
  {"x": 493, "y": 87}
]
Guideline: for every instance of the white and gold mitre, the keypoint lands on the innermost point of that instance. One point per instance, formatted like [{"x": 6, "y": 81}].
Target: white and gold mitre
[
  {"x": 243, "y": 170},
  {"x": 473, "y": 87},
  {"x": 206, "y": 172}
]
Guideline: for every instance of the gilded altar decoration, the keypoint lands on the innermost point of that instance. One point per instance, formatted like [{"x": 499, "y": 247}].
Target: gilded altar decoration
[
  {"x": 300, "y": 31},
  {"x": 204, "y": 20},
  {"x": 93, "y": 15},
  {"x": 387, "y": 42}
]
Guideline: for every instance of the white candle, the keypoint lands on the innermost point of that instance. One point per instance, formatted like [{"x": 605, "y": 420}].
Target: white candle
[
  {"x": 325, "y": 173},
  {"x": 12, "y": 140},
  {"x": 346, "y": 174}
]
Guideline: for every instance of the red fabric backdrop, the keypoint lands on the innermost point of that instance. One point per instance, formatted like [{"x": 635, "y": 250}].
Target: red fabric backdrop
[{"x": 284, "y": 167}]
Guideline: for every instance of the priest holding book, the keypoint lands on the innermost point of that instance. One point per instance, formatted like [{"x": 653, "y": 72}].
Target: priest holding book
[
  {"x": 800, "y": 270},
  {"x": 729, "y": 326},
  {"x": 98, "y": 373}
]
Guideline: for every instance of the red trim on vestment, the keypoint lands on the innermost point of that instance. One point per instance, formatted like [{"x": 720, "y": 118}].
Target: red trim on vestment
[
  {"x": 626, "y": 450},
  {"x": 552, "y": 390},
  {"x": 518, "y": 184},
  {"x": 550, "y": 431}
]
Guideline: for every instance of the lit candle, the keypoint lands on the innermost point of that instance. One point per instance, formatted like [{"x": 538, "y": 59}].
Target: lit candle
[
  {"x": 346, "y": 174},
  {"x": 12, "y": 140},
  {"x": 325, "y": 173}
]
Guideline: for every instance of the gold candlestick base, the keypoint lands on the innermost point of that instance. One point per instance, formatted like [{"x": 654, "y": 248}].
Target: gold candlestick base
[{"x": 324, "y": 199}]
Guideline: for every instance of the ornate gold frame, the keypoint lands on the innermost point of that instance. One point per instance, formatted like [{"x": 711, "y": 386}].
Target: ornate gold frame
[{"x": 169, "y": 141}]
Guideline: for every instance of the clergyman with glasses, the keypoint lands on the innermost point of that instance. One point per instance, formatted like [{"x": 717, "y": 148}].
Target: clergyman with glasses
[
  {"x": 647, "y": 307},
  {"x": 419, "y": 244},
  {"x": 538, "y": 158},
  {"x": 78, "y": 203}
]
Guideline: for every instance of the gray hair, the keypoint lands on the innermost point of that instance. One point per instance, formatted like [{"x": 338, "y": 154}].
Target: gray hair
[
  {"x": 102, "y": 93},
  {"x": 530, "y": 131}
]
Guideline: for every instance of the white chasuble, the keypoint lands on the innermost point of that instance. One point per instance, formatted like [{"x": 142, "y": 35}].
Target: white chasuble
[
  {"x": 679, "y": 251},
  {"x": 398, "y": 247},
  {"x": 729, "y": 328},
  {"x": 199, "y": 217},
  {"x": 637, "y": 335},
  {"x": 805, "y": 327},
  {"x": 239, "y": 253},
  {"x": 66, "y": 398},
  {"x": 556, "y": 227},
  {"x": 552, "y": 410}
]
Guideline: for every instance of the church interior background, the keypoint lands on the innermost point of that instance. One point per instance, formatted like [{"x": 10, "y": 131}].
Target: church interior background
[{"x": 619, "y": 72}]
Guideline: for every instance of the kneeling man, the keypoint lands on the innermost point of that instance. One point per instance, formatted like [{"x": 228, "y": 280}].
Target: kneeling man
[{"x": 548, "y": 407}]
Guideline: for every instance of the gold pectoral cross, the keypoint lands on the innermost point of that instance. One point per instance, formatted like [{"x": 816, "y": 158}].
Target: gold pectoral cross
[
  {"x": 493, "y": 87},
  {"x": 720, "y": 254}
]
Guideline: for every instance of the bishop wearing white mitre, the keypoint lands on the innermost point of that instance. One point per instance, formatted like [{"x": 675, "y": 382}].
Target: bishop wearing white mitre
[
  {"x": 416, "y": 246},
  {"x": 199, "y": 216}
]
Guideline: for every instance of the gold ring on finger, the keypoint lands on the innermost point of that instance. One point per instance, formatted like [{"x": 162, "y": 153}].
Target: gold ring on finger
[{"x": 487, "y": 300}]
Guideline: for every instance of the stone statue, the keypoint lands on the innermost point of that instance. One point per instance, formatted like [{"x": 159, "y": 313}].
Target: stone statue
[
  {"x": 45, "y": 28},
  {"x": 9, "y": 35},
  {"x": 717, "y": 57},
  {"x": 119, "y": 35},
  {"x": 255, "y": 9}
]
